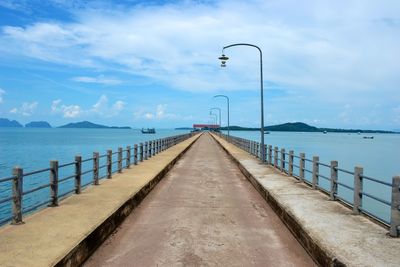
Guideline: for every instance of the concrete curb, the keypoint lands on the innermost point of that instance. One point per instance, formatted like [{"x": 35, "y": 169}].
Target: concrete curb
[
  {"x": 88, "y": 245},
  {"x": 320, "y": 255}
]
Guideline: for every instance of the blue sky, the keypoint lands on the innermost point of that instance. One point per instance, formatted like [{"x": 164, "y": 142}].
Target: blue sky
[{"x": 154, "y": 63}]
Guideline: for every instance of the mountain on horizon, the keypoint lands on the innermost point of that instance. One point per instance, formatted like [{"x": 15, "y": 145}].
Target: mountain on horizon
[
  {"x": 90, "y": 125},
  {"x": 10, "y": 123}
]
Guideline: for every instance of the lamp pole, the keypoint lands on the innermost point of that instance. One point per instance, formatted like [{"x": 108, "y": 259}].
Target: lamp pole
[
  {"x": 223, "y": 59},
  {"x": 227, "y": 100},
  {"x": 219, "y": 110},
  {"x": 214, "y": 117}
]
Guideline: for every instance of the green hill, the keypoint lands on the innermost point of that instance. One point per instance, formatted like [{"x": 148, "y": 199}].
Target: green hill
[{"x": 90, "y": 125}]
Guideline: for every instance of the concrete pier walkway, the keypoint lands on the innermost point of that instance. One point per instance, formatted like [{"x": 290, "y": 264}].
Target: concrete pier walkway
[{"x": 204, "y": 212}]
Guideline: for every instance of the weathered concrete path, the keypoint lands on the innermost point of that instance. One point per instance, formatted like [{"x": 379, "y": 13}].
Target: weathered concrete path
[{"x": 204, "y": 212}]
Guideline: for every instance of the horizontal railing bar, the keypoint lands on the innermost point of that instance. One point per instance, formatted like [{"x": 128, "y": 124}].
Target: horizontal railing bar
[
  {"x": 2, "y": 180},
  {"x": 324, "y": 177},
  {"x": 296, "y": 156},
  {"x": 66, "y": 178},
  {"x": 309, "y": 160},
  {"x": 66, "y": 193},
  {"x": 376, "y": 198},
  {"x": 343, "y": 200},
  {"x": 103, "y": 156},
  {"x": 307, "y": 170},
  {"x": 103, "y": 166},
  {"x": 376, "y": 180},
  {"x": 86, "y": 184},
  {"x": 114, "y": 153},
  {"x": 35, "y": 207},
  {"x": 343, "y": 170},
  {"x": 323, "y": 164},
  {"x": 376, "y": 217},
  {"x": 66, "y": 164},
  {"x": 3, "y": 221},
  {"x": 345, "y": 186},
  {"x": 35, "y": 189},
  {"x": 86, "y": 160},
  {"x": 85, "y": 172},
  {"x": 297, "y": 166},
  {"x": 4, "y": 200},
  {"x": 36, "y": 172}
]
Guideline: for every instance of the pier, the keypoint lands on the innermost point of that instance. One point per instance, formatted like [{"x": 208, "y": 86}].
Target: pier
[{"x": 205, "y": 201}]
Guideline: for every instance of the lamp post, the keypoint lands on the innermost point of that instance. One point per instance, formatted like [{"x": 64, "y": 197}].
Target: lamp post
[
  {"x": 227, "y": 100},
  {"x": 215, "y": 118},
  {"x": 219, "y": 110},
  {"x": 223, "y": 59}
]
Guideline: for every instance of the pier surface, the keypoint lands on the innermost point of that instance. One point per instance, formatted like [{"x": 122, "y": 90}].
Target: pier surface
[{"x": 204, "y": 212}]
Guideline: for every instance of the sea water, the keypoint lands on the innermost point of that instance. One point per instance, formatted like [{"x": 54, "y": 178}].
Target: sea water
[
  {"x": 32, "y": 149},
  {"x": 378, "y": 156}
]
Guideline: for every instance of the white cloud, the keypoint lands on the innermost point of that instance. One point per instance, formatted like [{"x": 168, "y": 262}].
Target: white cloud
[
  {"x": 326, "y": 48},
  {"x": 70, "y": 111},
  {"x": 99, "y": 79},
  {"x": 26, "y": 109},
  {"x": 102, "y": 107},
  {"x": 159, "y": 114},
  {"x": 2, "y": 92}
]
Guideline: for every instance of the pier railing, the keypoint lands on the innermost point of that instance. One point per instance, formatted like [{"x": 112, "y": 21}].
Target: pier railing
[
  {"x": 112, "y": 162},
  {"x": 333, "y": 181}
]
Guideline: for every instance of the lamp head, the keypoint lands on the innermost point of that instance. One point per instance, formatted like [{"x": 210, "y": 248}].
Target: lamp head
[{"x": 223, "y": 59}]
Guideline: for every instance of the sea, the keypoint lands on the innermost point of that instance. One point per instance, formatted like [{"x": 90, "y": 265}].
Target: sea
[{"x": 32, "y": 149}]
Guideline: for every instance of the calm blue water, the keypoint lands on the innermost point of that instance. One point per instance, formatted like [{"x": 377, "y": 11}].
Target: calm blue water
[
  {"x": 379, "y": 157},
  {"x": 32, "y": 149}
]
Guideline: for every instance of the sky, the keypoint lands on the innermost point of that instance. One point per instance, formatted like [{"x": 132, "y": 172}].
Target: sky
[{"x": 155, "y": 63}]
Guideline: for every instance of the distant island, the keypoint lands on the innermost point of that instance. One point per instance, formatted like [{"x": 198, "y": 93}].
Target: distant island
[
  {"x": 9, "y": 123},
  {"x": 91, "y": 125},
  {"x": 38, "y": 124},
  {"x": 302, "y": 127}
]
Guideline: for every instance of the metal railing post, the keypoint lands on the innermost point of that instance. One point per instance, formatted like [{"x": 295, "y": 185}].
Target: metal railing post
[
  {"x": 395, "y": 209},
  {"x": 334, "y": 177},
  {"x": 270, "y": 155},
  {"x": 135, "y": 156},
  {"x": 315, "y": 172},
  {"x": 109, "y": 164},
  {"x": 128, "y": 156},
  {"x": 141, "y": 152},
  {"x": 291, "y": 157},
  {"x": 149, "y": 151},
  {"x": 154, "y": 147},
  {"x": 302, "y": 166},
  {"x": 78, "y": 177},
  {"x": 283, "y": 158},
  {"x": 120, "y": 159},
  {"x": 146, "y": 145},
  {"x": 96, "y": 168},
  {"x": 358, "y": 187},
  {"x": 53, "y": 183},
  {"x": 265, "y": 153},
  {"x": 17, "y": 183},
  {"x": 276, "y": 157}
]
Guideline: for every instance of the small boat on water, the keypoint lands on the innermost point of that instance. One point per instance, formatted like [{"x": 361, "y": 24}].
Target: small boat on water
[
  {"x": 325, "y": 132},
  {"x": 266, "y": 132},
  {"x": 148, "y": 131},
  {"x": 368, "y": 137}
]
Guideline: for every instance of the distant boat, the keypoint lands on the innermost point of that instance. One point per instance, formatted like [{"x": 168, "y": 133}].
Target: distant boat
[
  {"x": 266, "y": 132},
  {"x": 368, "y": 137},
  {"x": 325, "y": 132},
  {"x": 148, "y": 131}
]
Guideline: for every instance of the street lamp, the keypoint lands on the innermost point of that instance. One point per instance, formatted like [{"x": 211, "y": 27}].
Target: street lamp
[
  {"x": 219, "y": 110},
  {"x": 227, "y": 100},
  {"x": 223, "y": 59},
  {"x": 214, "y": 118}
]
